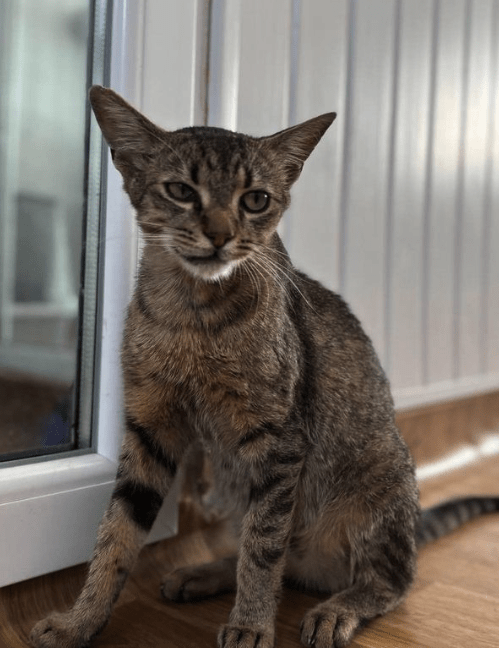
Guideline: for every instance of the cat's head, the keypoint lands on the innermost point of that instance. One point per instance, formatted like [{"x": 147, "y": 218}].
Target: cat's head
[{"x": 208, "y": 196}]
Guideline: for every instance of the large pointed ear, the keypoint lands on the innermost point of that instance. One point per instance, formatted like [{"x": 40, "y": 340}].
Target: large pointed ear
[
  {"x": 123, "y": 127},
  {"x": 293, "y": 145}
]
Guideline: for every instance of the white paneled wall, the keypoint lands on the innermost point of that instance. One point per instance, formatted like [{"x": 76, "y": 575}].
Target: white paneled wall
[
  {"x": 408, "y": 197},
  {"x": 398, "y": 207}
]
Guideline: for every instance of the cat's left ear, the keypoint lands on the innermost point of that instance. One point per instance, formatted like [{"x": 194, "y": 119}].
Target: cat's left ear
[{"x": 294, "y": 145}]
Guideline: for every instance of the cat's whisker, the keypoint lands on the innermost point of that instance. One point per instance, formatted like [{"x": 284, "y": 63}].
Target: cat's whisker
[
  {"x": 286, "y": 272},
  {"x": 253, "y": 274},
  {"x": 254, "y": 284},
  {"x": 285, "y": 256},
  {"x": 264, "y": 271}
]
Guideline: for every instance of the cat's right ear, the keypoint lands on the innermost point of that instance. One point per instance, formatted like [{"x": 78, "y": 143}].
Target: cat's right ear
[{"x": 124, "y": 128}]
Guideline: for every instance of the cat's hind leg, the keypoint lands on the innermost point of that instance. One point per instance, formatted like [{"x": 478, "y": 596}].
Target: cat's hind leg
[
  {"x": 201, "y": 581},
  {"x": 382, "y": 570}
]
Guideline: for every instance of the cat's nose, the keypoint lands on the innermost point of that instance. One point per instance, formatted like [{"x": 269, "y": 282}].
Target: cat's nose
[
  {"x": 219, "y": 239},
  {"x": 218, "y": 228}
]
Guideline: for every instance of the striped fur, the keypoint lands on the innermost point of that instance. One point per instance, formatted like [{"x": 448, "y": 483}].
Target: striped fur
[
  {"x": 227, "y": 345},
  {"x": 442, "y": 519}
]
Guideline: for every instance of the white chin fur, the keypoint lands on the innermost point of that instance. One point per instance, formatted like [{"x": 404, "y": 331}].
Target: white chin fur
[
  {"x": 211, "y": 274},
  {"x": 224, "y": 272}
]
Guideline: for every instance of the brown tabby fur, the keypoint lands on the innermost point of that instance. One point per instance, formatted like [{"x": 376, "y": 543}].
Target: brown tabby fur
[{"x": 228, "y": 344}]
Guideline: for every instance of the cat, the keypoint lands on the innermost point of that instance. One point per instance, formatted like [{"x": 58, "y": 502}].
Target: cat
[{"x": 228, "y": 345}]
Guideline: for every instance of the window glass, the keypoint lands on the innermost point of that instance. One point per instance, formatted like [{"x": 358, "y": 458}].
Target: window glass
[{"x": 45, "y": 56}]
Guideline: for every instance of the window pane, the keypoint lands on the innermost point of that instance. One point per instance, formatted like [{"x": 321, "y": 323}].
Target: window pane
[{"x": 44, "y": 46}]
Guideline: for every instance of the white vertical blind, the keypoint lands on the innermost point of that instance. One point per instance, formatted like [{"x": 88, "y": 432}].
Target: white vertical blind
[
  {"x": 366, "y": 186},
  {"x": 316, "y": 205},
  {"x": 398, "y": 207},
  {"x": 245, "y": 92},
  {"x": 411, "y": 122},
  {"x": 445, "y": 160},
  {"x": 272, "y": 81},
  {"x": 490, "y": 266},
  {"x": 470, "y": 232}
]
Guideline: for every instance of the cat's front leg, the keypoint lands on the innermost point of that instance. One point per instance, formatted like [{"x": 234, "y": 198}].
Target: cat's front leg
[
  {"x": 145, "y": 474},
  {"x": 265, "y": 533}
]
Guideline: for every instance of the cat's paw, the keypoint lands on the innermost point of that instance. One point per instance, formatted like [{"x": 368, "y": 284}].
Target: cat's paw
[
  {"x": 56, "y": 631},
  {"x": 183, "y": 585},
  {"x": 231, "y": 636},
  {"x": 328, "y": 627},
  {"x": 192, "y": 583}
]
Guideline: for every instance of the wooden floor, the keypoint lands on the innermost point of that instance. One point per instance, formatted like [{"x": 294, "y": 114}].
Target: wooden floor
[{"x": 455, "y": 601}]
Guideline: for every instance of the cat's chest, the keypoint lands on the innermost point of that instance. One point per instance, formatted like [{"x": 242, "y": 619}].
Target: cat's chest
[
  {"x": 188, "y": 353},
  {"x": 228, "y": 369},
  {"x": 195, "y": 358},
  {"x": 228, "y": 384}
]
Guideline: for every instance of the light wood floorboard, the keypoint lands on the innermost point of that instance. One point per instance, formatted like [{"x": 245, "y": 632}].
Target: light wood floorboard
[{"x": 455, "y": 601}]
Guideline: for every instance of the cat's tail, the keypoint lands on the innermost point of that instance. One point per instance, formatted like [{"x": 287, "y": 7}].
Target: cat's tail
[{"x": 440, "y": 520}]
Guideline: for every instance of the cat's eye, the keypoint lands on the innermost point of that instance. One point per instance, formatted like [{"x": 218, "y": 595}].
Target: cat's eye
[
  {"x": 180, "y": 191},
  {"x": 255, "y": 201}
]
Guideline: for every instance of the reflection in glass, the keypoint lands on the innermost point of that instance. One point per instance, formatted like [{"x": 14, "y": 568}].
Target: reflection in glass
[{"x": 43, "y": 70}]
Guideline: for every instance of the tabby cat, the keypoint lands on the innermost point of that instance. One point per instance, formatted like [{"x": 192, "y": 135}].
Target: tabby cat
[{"x": 227, "y": 343}]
